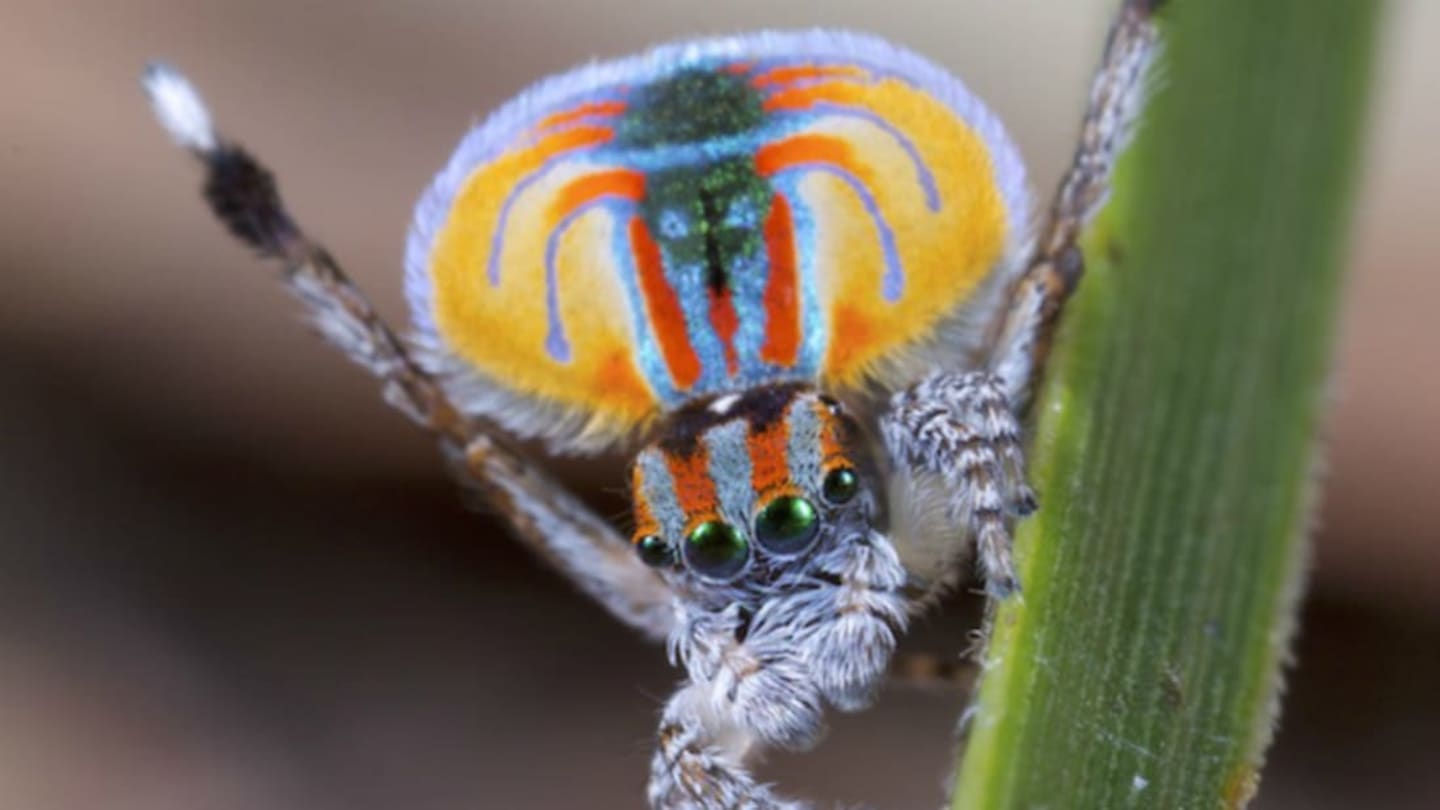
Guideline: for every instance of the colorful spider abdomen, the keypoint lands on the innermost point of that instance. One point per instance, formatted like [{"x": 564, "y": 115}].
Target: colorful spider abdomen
[{"x": 708, "y": 217}]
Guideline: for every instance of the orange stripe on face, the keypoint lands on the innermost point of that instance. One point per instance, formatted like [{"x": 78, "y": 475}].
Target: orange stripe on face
[
  {"x": 662, "y": 305},
  {"x": 769, "y": 462},
  {"x": 694, "y": 488},
  {"x": 591, "y": 108},
  {"x": 645, "y": 522},
  {"x": 781, "y": 75},
  {"x": 726, "y": 324},
  {"x": 801, "y": 98},
  {"x": 623, "y": 183},
  {"x": 801, "y": 149},
  {"x": 782, "y": 311}
]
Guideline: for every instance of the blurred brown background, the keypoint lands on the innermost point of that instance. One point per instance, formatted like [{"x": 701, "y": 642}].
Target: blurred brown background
[{"x": 230, "y": 578}]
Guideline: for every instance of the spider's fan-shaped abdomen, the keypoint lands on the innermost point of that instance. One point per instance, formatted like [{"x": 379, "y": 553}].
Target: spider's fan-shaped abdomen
[{"x": 707, "y": 217}]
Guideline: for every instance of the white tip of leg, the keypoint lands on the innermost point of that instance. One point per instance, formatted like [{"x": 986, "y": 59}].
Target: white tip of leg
[{"x": 178, "y": 107}]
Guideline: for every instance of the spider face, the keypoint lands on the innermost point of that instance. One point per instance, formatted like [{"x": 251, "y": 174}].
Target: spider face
[{"x": 742, "y": 492}]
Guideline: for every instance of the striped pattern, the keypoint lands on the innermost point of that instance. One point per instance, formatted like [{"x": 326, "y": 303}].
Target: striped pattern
[
  {"x": 777, "y": 440},
  {"x": 710, "y": 217}
]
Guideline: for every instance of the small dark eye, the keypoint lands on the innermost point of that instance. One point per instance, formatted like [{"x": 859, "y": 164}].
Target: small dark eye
[
  {"x": 654, "y": 551},
  {"x": 787, "y": 525},
  {"x": 715, "y": 549},
  {"x": 840, "y": 485}
]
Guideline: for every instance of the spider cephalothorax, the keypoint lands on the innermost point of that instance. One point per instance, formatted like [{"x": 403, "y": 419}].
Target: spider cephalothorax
[
  {"x": 765, "y": 510},
  {"x": 742, "y": 488},
  {"x": 703, "y": 239}
]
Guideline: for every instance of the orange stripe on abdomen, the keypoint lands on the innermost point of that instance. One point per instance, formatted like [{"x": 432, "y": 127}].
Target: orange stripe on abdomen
[
  {"x": 802, "y": 98},
  {"x": 782, "y": 310},
  {"x": 801, "y": 149},
  {"x": 726, "y": 323},
  {"x": 564, "y": 141},
  {"x": 622, "y": 183},
  {"x": 851, "y": 331},
  {"x": 781, "y": 75},
  {"x": 662, "y": 305},
  {"x": 591, "y": 108}
]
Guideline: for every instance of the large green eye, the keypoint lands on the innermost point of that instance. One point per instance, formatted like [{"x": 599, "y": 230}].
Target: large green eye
[
  {"x": 654, "y": 551},
  {"x": 715, "y": 549},
  {"x": 840, "y": 485},
  {"x": 787, "y": 525}
]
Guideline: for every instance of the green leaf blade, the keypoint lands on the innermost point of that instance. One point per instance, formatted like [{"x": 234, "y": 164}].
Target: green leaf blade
[{"x": 1175, "y": 434}]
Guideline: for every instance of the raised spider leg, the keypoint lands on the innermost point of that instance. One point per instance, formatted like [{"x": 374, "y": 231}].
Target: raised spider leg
[
  {"x": 549, "y": 520},
  {"x": 966, "y": 427},
  {"x": 1117, "y": 96}
]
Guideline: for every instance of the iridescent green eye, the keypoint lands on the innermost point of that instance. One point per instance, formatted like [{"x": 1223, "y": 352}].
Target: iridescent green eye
[
  {"x": 840, "y": 485},
  {"x": 787, "y": 525},
  {"x": 716, "y": 550},
  {"x": 654, "y": 551}
]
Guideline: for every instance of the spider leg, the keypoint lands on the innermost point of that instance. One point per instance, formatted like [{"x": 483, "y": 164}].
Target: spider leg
[
  {"x": 1117, "y": 95},
  {"x": 748, "y": 687},
  {"x": 954, "y": 441},
  {"x": 551, "y": 521},
  {"x": 959, "y": 435},
  {"x": 762, "y": 679},
  {"x": 697, "y": 768},
  {"x": 858, "y": 617}
]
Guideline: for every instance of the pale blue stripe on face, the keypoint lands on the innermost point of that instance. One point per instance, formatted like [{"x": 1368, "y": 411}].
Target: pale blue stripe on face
[
  {"x": 729, "y": 456},
  {"x": 802, "y": 450},
  {"x": 658, "y": 489}
]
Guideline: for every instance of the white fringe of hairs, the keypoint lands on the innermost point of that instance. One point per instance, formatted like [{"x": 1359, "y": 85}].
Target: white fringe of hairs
[{"x": 179, "y": 107}]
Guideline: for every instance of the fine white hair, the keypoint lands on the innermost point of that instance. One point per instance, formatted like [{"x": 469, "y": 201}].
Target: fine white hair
[{"x": 179, "y": 107}]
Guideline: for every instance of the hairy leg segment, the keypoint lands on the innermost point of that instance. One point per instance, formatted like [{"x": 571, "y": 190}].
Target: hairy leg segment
[
  {"x": 966, "y": 428},
  {"x": 1117, "y": 96},
  {"x": 763, "y": 679},
  {"x": 547, "y": 518},
  {"x": 961, "y": 431}
]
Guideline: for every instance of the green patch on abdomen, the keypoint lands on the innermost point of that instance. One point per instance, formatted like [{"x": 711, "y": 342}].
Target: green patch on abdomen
[
  {"x": 709, "y": 216},
  {"x": 690, "y": 107}
]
